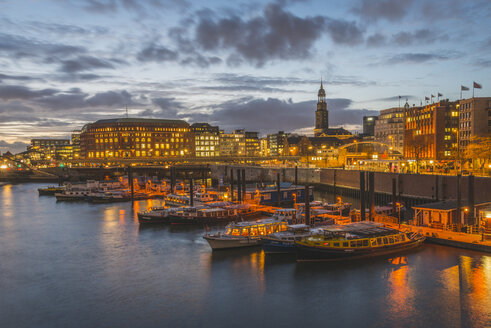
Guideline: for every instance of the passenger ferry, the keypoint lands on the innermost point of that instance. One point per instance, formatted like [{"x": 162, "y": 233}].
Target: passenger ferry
[
  {"x": 160, "y": 215},
  {"x": 205, "y": 215},
  {"x": 50, "y": 191},
  {"x": 284, "y": 241},
  {"x": 184, "y": 200},
  {"x": 354, "y": 241},
  {"x": 244, "y": 234},
  {"x": 72, "y": 195}
]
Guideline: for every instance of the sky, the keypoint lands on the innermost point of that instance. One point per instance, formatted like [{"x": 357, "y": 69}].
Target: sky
[{"x": 255, "y": 65}]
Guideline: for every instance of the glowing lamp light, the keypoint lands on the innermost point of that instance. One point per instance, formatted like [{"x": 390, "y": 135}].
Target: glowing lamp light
[{"x": 3, "y": 166}]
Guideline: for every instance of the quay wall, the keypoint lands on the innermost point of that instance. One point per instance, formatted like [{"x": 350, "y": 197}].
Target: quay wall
[{"x": 431, "y": 187}]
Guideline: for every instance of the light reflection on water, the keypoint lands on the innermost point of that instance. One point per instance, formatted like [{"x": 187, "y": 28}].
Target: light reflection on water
[{"x": 94, "y": 265}]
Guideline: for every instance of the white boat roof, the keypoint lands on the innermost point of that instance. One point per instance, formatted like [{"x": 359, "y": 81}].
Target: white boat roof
[{"x": 298, "y": 226}]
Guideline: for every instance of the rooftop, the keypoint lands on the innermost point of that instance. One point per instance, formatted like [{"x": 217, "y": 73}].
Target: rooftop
[
  {"x": 140, "y": 120},
  {"x": 446, "y": 205}
]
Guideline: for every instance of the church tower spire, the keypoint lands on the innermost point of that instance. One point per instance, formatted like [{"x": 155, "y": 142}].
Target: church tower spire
[{"x": 321, "y": 114}]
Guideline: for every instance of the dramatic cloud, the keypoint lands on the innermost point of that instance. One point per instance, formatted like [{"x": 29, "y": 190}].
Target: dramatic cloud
[
  {"x": 415, "y": 58},
  {"x": 391, "y": 10},
  {"x": 19, "y": 47},
  {"x": 275, "y": 35},
  {"x": 272, "y": 114},
  {"x": 344, "y": 32},
  {"x": 15, "y": 77},
  {"x": 84, "y": 63},
  {"x": 13, "y": 147},
  {"x": 154, "y": 52},
  {"x": 416, "y": 37},
  {"x": 20, "y": 92}
]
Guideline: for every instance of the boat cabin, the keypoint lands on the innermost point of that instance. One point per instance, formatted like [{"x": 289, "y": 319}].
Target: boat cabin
[{"x": 254, "y": 229}]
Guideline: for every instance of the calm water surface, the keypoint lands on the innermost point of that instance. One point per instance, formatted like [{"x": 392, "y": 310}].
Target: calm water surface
[{"x": 83, "y": 265}]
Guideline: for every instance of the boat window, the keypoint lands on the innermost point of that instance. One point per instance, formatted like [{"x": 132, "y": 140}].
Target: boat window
[
  {"x": 245, "y": 232},
  {"x": 365, "y": 243},
  {"x": 262, "y": 230},
  {"x": 254, "y": 231},
  {"x": 345, "y": 244},
  {"x": 235, "y": 232},
  {"x": 396, "y": 239},
  {"x": 391, "y": 240},
  {"x": 359, "y": 243},
  {"x": 403, "y": 237},
  {"x": 335, "y": 244},
  {"x": 269, "y": 229},
  {"x": 386, "y": 241},
  {"x": 379, "y": 241},
  {"x": 352, "y": 243},
  {"x": 374, "y": 242}
]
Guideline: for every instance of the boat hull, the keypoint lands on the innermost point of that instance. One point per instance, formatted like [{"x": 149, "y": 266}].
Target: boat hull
[
  {"x": 144, "y": 219},
  {"x": 312, "y": 253},
  {"x": 228, "y": 243},
  {"x": 278, "y": 247}
]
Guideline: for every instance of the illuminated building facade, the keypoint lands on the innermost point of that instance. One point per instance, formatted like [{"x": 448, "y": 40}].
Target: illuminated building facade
[
  {"x": 76, "y": 143},
  {"x": 51, "y": 148},
  {"x": 252, "y": 147},
  {"x": 206, "y": 140},
  {"x": 233, "y": 144},
  {"x": 136, "y": 138},
  {"x": 389, "y": 127},
  {"x": 475, "y": 120},
  {"x": 431, "y": 131},
  {"x": 276, "y": 143}
]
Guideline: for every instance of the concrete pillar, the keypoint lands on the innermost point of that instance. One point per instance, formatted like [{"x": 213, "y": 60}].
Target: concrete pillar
[{"x": 362, "y": 195}]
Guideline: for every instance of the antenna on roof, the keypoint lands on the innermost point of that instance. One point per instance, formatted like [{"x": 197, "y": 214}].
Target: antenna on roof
[{"x": 126, "y": 111}]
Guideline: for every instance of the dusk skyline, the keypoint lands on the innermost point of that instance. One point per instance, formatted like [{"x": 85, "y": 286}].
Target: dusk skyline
[{"x": 255, "y": 66}]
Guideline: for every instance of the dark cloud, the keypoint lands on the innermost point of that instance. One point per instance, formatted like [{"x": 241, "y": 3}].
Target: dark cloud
[
  {"x": 20, "y": 47},
  {"x": 13, "y": 147},
  {"x": 272, "y": 114},
  {"x": 110, "y": 99},
  {"x": 74, "y": 98},
  {"x": 8, "y": 92},
  {"x": 421, "y": 36},
  {"x": 79, "y": 100},
  {"x": 137, "y": 6},
  {"x": 168, "y": 107},
  {"x": 16, "y": 77},
  {"x": 391, "y": 10},
  {"x": 277, "y": 34},
  {"x": 84, "y": 63},
  {"x": 415, "y": 58},
  {"x": 376, "y": 40},
  {"x": 344, "y": 32},
  {"x": 200, "y": 61},
  {"x": 14, "y": 106},
  {"x": 157, "y": 53}
]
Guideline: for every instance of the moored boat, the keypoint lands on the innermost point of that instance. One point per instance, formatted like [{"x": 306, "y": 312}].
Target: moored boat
[
  {"x": 284, "y": 241},
  {"x": 50, "y": 190},
  {"x": 244, "y": 234},
  {"x": 205, "y": 215},
  {"x": 354, "y": 241}
]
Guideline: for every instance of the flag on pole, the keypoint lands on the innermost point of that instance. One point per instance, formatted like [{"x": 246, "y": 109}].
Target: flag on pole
[
  {"x": 439, "y": 94},
  {"x": 477, "y": 85},
  {"x": 427, "y": 99},
  {"x": 462, "y": 88}
]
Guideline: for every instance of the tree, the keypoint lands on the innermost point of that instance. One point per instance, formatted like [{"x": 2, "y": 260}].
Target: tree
[{"x": 479, "y": 151}]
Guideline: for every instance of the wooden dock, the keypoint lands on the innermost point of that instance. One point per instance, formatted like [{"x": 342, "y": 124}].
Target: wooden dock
[{"x": 450, "y": 238}]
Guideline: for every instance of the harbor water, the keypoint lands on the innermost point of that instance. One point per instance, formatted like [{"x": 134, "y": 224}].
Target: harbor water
[{"x": 75, "y": 264}]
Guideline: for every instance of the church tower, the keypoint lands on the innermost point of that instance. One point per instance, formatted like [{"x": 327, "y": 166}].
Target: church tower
[{"x": 321, "y": 114}]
